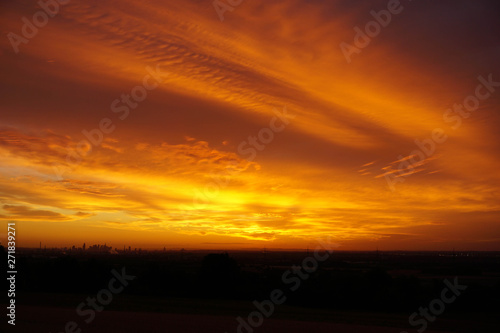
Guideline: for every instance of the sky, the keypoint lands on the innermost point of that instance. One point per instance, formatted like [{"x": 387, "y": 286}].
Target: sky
[{"x": 199, "y": 124}]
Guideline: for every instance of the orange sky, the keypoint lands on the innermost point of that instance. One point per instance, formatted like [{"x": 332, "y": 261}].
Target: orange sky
[{"x": 176, "y": 168}]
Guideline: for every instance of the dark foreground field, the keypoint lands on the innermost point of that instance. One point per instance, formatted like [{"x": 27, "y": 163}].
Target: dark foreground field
[
  {"x": 207, "y": 292},
  {"x": 50, "y": 319},
  {"x": 181, "y": 315}
]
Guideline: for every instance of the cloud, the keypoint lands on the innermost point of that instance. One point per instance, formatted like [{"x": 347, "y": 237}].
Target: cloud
[{"x": 24, "y": 213}]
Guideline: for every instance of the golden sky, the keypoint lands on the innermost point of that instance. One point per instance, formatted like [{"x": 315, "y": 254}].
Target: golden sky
[{"x": 254, "y": 131}]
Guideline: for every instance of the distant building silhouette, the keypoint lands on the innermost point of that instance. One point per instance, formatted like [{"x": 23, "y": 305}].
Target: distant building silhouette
[{"x": 100, "y": 248}]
